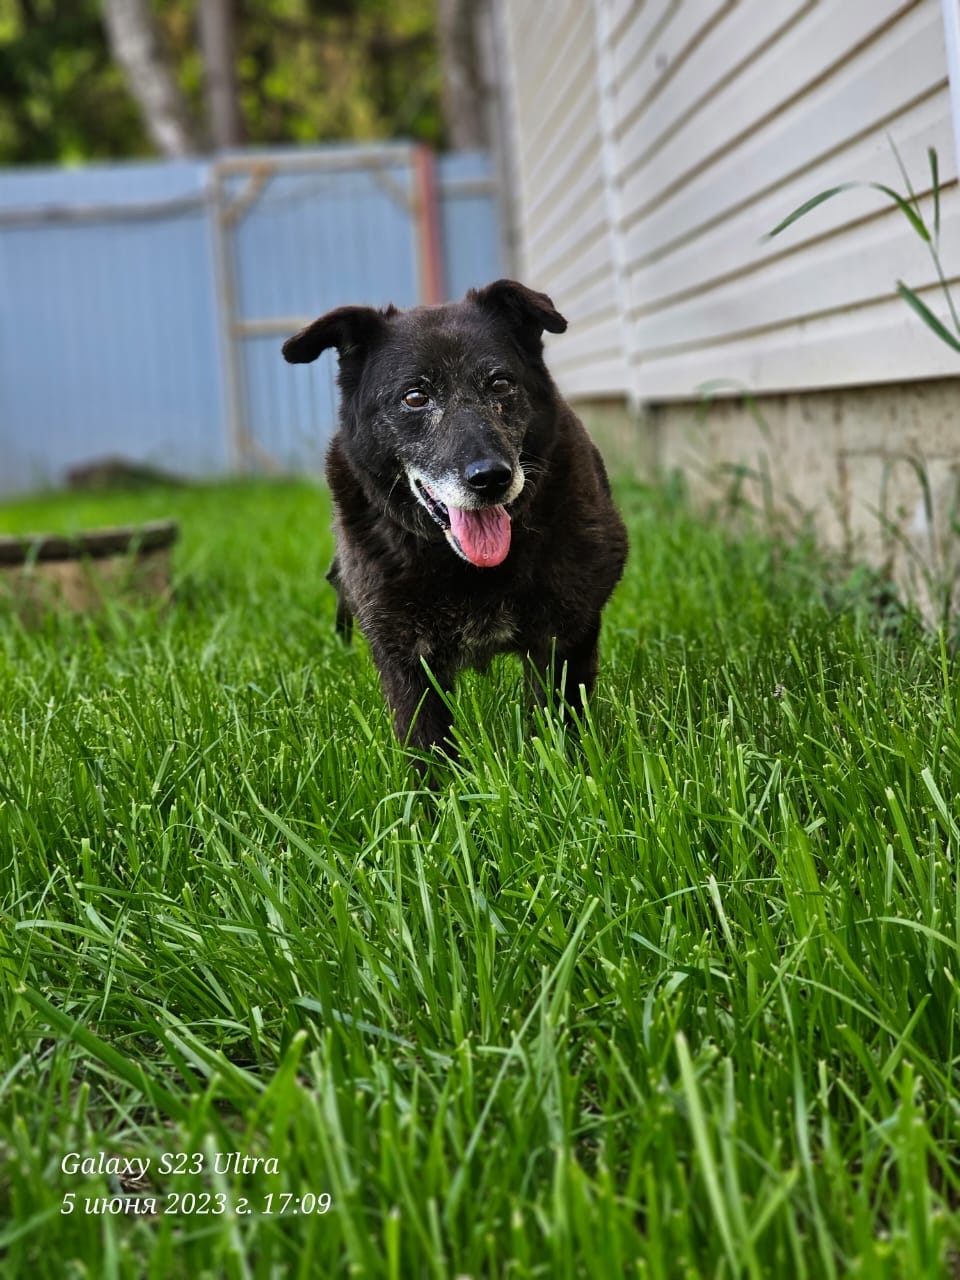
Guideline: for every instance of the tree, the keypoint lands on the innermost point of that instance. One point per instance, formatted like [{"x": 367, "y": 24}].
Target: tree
[
  {"x": 135, "y": 43},
  {"x": 465, "y": 106},
  {"x": 224, "y": 120},
  {"x": 62, "y": 97},
  {"x": 304, "y": 71}
]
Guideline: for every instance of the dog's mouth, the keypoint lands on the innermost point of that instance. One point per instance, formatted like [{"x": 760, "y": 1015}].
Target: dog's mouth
[{"x": 480, "y": 537}]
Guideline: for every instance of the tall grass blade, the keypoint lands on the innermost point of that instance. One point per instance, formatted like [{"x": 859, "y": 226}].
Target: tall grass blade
[{"x": 935, "y": 325}]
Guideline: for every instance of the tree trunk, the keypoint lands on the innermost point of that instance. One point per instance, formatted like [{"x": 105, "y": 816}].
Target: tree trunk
[
  {"x": 225, "y": 123},
  {"x": 135, "y": 45},
  {"x": 465, "y": 106}
]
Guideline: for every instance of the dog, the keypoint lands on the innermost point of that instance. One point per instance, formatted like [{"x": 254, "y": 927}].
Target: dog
[{"x": 473, "y": 514}]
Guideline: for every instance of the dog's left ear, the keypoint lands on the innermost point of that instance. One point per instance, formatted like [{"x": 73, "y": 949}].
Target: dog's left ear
[
  {"x": 350, "y": 329},
  {"x": 531, "y": 311}
]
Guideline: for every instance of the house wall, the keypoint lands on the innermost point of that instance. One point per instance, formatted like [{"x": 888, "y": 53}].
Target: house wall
[
  {"x": 877, "y": 469},
  {"x": 562, "y": 206},
  {"x": 656, "y": 144},
  {"x": 659, "y": 143}
]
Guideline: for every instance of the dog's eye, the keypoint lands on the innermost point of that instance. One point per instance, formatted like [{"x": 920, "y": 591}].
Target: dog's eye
[
  {"x": 416, "y": 399},
  {"x": 500, "y": 385}
]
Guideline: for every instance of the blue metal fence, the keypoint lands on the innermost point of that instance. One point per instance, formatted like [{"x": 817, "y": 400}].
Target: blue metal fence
[{"x": 142, "y": 306}]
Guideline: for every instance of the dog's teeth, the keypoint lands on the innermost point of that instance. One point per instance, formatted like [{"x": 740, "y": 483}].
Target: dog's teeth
[{"x": 438, "y": 512}]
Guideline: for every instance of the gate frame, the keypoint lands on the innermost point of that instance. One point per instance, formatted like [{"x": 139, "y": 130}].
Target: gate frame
[{"x": 228, "y": 210}]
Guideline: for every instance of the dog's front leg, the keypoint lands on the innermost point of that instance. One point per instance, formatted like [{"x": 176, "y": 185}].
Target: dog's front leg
[
  {"x": 421, "y": 715},
  {"x": 557, "y": 674},
  {"x": 344, "y": 623}
]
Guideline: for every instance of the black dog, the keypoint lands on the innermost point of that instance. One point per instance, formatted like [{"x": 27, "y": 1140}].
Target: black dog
[{"x": 473, "y": 512}]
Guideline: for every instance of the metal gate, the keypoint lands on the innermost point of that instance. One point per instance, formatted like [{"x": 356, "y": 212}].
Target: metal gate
[
  {"x": 145, "y": 304},
  {"x": 296, "y": 235}
]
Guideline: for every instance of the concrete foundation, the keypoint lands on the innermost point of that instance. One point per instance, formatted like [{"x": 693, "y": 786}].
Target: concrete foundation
[{"x": 877, "y": 469}]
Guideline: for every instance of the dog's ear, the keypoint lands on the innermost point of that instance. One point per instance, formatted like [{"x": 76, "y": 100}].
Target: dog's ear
[
  {"x": 350, "y": 329},
  {"x": 530, "y": 312}
]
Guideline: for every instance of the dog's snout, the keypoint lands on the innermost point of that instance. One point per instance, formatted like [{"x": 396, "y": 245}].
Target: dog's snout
[{"x": 488, "y": 476}]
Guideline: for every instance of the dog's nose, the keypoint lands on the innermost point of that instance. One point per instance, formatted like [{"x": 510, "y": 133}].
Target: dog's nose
[{"x": 488, "y": 476}]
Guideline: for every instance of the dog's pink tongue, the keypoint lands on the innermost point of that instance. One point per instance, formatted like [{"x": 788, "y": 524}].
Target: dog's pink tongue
[{"x": 484, "y": 536}]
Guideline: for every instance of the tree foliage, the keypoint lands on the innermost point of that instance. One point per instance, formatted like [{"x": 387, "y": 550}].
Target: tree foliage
[
  {"x": 307, "y": 71},
  {"x": 61, "y": 97}
]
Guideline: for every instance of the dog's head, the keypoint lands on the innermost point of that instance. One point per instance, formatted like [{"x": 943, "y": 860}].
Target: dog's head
[{"x": 442, "y": 408}]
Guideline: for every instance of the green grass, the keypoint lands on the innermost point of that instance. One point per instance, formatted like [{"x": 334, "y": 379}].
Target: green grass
[{"x": 680, "y": 1002}]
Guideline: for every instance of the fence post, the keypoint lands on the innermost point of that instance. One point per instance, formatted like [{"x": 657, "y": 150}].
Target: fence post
[
  {"x": 226, "y": 307},
  {"x": 426, "y": 212}
]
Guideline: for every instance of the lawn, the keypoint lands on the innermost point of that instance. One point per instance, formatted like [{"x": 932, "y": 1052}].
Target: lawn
[{"x": 679, "y": 1001}]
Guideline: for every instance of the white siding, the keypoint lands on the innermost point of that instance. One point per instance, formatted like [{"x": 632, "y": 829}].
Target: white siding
[
  {"x": 721, "y": 117},
  {"x": 563, "y": 206}
]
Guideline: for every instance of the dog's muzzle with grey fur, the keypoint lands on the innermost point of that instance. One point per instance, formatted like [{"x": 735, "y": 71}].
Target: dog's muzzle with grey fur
[{"x": 477, "y": 529}]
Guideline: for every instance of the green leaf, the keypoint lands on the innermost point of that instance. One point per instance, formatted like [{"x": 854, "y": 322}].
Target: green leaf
[
  {"x": 808, "y": 206},
  {"x": 911, "y": 214},
  {"x": 908, "y": 211},
  {"x": 935, "y": 182},
  {"x": 903, "y": 172},
  {"x": 926, "y": 315}
]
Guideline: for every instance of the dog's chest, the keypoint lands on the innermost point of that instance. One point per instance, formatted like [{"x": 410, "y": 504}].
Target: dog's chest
[
  {"x": 472, "y": 638},
  {"x": 487, "y": 634}
]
